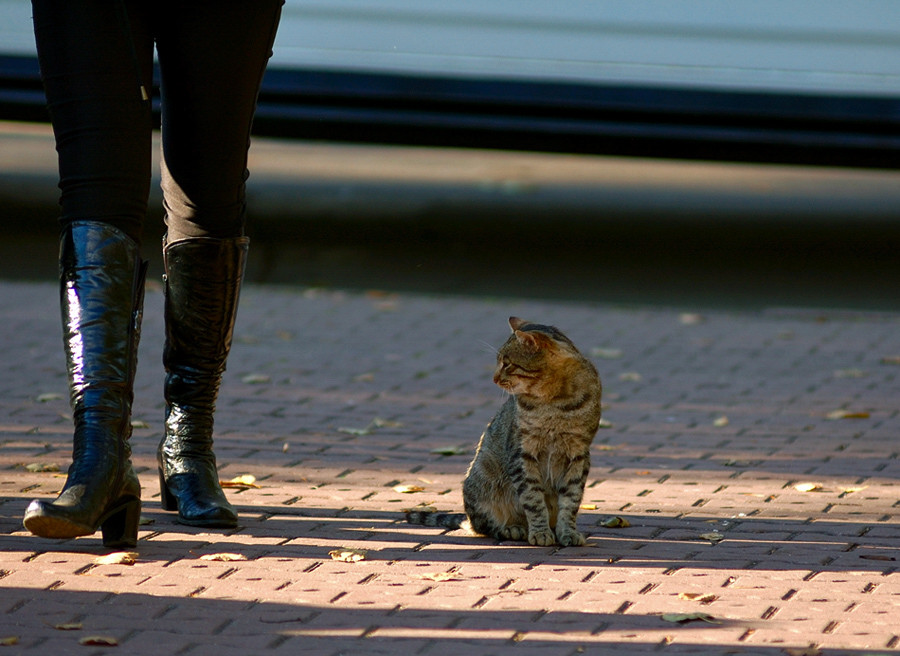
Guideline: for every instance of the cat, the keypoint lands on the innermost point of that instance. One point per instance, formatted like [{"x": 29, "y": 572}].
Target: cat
[{"x": 527, "y": 478}]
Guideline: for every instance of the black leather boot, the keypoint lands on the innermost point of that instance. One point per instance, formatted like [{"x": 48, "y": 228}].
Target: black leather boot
[
  {"x": 203, "y": 281},
  {"x": 101, "y": 298}
]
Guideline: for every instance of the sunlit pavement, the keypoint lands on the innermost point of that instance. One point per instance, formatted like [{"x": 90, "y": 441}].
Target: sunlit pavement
[{"x": 752, "y": 454}]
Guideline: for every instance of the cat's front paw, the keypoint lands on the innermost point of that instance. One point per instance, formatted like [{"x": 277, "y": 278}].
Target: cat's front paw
[
  {"x": 571, "y": 538},
  {"x": 513, "y": 533},
  {"x": 541, "y": 538}
]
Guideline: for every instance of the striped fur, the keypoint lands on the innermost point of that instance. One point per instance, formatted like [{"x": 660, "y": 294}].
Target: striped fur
[{"x": 528, "y": 475}]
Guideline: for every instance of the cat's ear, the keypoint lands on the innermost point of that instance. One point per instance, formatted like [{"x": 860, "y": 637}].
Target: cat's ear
[
  {"x": 532, "y": 341},
  {"x": 515, "y": 323}
]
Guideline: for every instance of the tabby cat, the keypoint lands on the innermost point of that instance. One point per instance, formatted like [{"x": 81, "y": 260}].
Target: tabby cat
[{"x": 527, "y": 478}]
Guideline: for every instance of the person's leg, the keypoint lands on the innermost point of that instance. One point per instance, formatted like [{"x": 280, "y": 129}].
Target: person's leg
[
  {"x": 102, "y": 129},
  {"x": 94, "y": 57},
  {"x": 212, "y": 57}
]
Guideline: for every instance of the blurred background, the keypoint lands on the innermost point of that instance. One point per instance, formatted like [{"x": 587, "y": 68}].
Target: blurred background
[{"x": 707, "y": 153}]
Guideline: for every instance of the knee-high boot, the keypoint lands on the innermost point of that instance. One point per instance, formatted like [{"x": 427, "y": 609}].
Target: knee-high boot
[
  {"x": 203, "y": 280},
  {"x": 101, "y": 298}
]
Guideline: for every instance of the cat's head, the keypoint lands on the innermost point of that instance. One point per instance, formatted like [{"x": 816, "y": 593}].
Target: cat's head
[{"x": 536, "y": 360}]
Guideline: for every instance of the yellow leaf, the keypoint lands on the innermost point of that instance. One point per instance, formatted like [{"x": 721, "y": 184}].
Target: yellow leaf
[
  {"x": 422, "y": 508},
  {"x": 346, "y": 555},
  {"x": 615, "y": 522},
  {"x": 846, "y": 414},
  {"x": 851, "y": 490},
  {"x": 117, "y": 558},
  {"x": 849, "y": 373},
  {"x": 224, "y": 557},
  {"x": 9, "y": 641},
  {"x": 698, "y": 596},
  {"x": 255, "y": 379},
  {"x": 408, "y": 489},
  {"x": 681, "y": 618},
  {"x": 378, "y": 422},
  {"x": 39, "y": 467},
  {"x": 69, "y": 626},
  {"x": 714, "y": 537},
  {"x": 720, "y": 421},
  {"x": 589, "y": 506},
  {"x": 244, "y": 481},
  {"x": 440, "y": 577},
  {"x": 807, "y": 487},
  {"x": 99, "y": 641}
]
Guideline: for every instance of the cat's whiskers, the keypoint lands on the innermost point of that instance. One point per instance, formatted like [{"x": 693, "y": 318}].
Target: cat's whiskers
[{"x": 488, "y": 348}]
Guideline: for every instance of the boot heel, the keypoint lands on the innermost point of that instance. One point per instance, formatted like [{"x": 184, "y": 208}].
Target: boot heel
[
  {"x": 121, "y": 527},
  {"x": 166, "y": 499}
]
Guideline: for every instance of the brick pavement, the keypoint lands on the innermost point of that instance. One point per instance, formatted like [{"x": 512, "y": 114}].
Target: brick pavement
[{"x": 331, "y": 400}]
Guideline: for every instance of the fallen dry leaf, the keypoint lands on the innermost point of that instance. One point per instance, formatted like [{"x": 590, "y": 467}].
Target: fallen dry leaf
[
  {"x": 604, "y": 423},
  {"x": 69, "y": 626},
  {"x": 891, "y": 359},
  {"x": 137, "y": 423},
  {"x": 244, "y": 481},
  {"x": 346, "y": 555},
  {"x": 849, "y": 373},
  {"x": 615, "y": 522},
  {"x": 630, "y": 377},
  {"x": 51, "y": 396},
  {"x": 255, "y": 379},
  {"x": 408, "y": 489},
  {"x": 224, "y": 557},
  {"x": 378, "y": 422},
  {"x": 682, "y": 618},
  {"x": 99, "y": 641},
  {"x": 9, "y": 641},
  {"x": 441, "y": 577},
  {"x": 807, "y": 487},
  {"x": 846, "y": 414},
  {"x": 117, "y": 558},
  {"x": 40, "y": 467},
  {"x": 720, "y": 422},
  {"x": 851, "y": 490},
  {"x": 714, "y": 537},
  {"x": 423, "y": 507},
  {"x": 588, "y": 506},
  {"x": 698, "y": 596}
]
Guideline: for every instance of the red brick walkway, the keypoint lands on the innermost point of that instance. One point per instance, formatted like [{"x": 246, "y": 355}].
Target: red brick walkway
[{"x": 754, "y": 455}]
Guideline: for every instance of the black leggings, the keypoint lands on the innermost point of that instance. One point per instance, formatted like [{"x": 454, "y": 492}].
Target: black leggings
[{"x": 95, "y": 54}]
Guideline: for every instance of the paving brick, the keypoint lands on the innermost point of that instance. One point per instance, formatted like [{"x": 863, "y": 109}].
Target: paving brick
[{"x": 311, "y": 372}]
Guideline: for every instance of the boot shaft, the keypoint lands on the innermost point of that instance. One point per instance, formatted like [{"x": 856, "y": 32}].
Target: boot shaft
[
  {"x": 101, "y": 302},
  {"x": 203, "y": 281}
]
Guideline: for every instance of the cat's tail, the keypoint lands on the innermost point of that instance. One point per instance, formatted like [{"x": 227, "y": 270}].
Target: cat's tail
[{"x": 451, "y": 521}]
